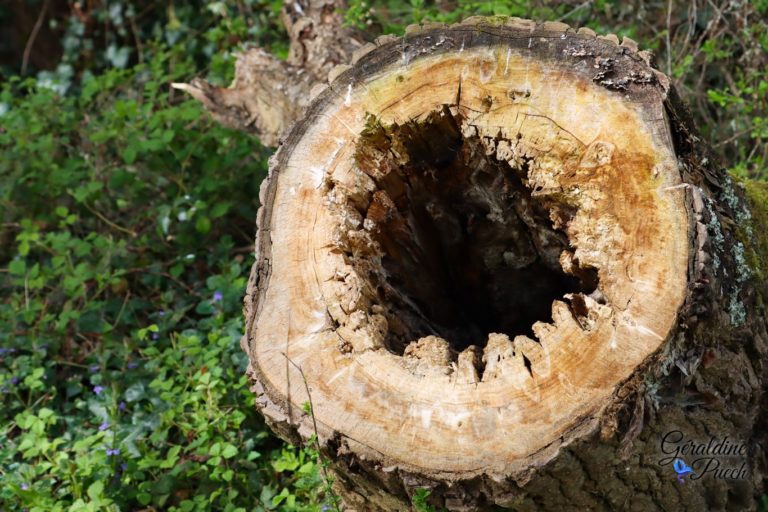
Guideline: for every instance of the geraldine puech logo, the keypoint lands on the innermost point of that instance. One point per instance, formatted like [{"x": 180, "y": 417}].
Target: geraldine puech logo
[{"x": 720, "y": 458}]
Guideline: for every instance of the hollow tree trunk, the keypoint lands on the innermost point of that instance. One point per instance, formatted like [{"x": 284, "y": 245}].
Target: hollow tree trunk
[{"x": 509, "y": 272}]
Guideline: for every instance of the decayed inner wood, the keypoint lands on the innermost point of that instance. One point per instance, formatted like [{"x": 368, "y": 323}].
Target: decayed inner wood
[
  {"x": 596, "y": 175},
  {"x": 466, "y": 247}
]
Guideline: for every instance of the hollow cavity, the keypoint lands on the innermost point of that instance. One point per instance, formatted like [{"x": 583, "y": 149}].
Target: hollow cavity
[{"x": 466, "y": 248}]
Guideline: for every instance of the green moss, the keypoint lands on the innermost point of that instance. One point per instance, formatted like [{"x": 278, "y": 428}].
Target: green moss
[
  {"x": 497, "y": 20},
  {"x": 739, "y": 209},
  {"x": 750, "y": 250},
  {"x": 757, "y": 196}
]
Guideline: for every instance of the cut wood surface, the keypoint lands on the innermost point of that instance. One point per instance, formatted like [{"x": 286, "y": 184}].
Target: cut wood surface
[{"x": 501, "y": 259}]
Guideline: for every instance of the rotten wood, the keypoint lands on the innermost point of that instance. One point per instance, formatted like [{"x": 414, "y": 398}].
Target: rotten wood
[{"x": 506, "y": 266}]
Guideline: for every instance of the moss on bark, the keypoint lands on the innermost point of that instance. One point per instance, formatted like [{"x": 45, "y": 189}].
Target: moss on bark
[{"x": 757, "y": 197}]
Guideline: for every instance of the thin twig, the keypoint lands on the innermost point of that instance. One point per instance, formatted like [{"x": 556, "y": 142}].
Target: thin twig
[
  {"x": 314, "y": 424},
  {"x": 139, "y": 46},
  {"x": 122, "y": 308},
  {"x": 570, "y": 13},
  {"x": 33, "y": 36},
  {"x": 668, "y": 38},
  {"x": 109, "y": 222},
  {"x": 734, "y": 137},
  {"x": 26, "y": 292}
]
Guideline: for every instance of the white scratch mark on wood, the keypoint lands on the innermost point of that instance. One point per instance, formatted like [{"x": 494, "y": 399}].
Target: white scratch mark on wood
[
  {"x": 646, "y": 330},
  {"x": 318, "y": 173},
  {"x": 338, "y": 374},
  {"x": 506, "y": 66},
  {"x": 675, "y": 187},
  {"x": 348, "y": 99},
  {"x": 426, "y": 417}
]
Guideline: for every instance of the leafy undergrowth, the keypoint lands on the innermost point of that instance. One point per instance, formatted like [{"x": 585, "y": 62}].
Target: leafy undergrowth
[{"x": 127, "y": 223}]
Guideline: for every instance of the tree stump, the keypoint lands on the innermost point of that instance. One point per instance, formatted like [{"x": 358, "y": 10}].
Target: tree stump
[{"x": 502, "y": 266}]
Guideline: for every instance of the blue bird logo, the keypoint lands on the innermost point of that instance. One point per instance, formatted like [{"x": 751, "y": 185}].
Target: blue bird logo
[{"x": 682, "y": 469}]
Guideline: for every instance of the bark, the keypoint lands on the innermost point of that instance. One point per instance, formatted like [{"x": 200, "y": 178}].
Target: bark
[
  {"x": 269, "y": 94},
  {"x": 505, "y": 266}
]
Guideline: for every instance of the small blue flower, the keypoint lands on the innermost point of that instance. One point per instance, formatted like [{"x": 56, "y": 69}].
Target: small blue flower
[
  {"x": 155, "y": 336},
  {"x": 112, "y": 451},
  {"x": 94, "y": 368},
  {"x": 121, "y": 406},
  {"x": 104, "y": 426},
  {"x": 24, "y": 486},
  {"x": 98, "y": 389},
  {"x": 161, "y": 313},
  {"x": 217, "y": 296},
  {"x": 133, "y": 365},
  {"x": 14, "y": 380}
]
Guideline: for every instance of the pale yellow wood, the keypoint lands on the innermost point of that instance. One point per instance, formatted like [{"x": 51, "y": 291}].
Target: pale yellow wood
[{"x": 631, "y": 224}]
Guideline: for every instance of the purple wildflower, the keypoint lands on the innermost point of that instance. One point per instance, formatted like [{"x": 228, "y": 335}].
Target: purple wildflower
[
  {"x": 155, "y": 335},
  {"x": 133, "y": 365},
  {"x": 112, "y": 451},
  {"x": 104, "y": 426},
  {"x": 24, "y": 486},
  {"x": 161, "y": 313},
  {"x": 121, "y": 406},
  {"x": 14, "y": 380},
  {"x": 217, "y": 296},
  {"x": 94, "y": 368},
  {"x": 98, "y": 389}
]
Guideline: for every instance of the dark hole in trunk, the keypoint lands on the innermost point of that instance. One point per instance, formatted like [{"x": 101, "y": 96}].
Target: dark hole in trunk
[{"x": 468, "y": 248}]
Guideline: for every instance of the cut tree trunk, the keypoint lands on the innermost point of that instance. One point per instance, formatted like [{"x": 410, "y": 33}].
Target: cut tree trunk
[{"x": 502, "y": 266}]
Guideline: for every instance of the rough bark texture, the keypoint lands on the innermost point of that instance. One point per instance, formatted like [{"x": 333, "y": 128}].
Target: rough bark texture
[
  {"x": 706, "y": 378},
  {"x": 269, "y": 94}
]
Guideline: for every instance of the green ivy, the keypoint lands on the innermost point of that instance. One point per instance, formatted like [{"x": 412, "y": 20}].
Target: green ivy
[{"x": 127, "y": 223}]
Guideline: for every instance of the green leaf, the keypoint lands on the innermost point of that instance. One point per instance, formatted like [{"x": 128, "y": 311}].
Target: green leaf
[
  {"x": 95, "y": 490},
  {"x": 220, "y": 209},
  {"x": 144, "y": 498},
  {"x": 229, "y": 451},
  {"x": 45, "y": 413},
  {"x": 129, "y": 155},
  {"x": 17, "y": 267},
  {"x": 33, "y": 381},
  {"x": 171, "y": 457},
  {"x": 203, "y": 224},
  {"x": 135, "y": 392}
]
